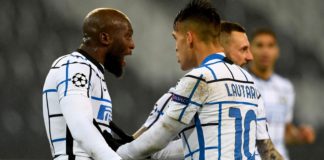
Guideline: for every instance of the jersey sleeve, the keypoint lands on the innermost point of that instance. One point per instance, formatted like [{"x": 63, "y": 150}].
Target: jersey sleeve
[
  {"x": 158, "y": 110},
  {"x": 262, "y": 128},
  {"x": 290, "y": 103},
  {"x": 73, "y": 79},
  {"x": 189, "y": 95}
]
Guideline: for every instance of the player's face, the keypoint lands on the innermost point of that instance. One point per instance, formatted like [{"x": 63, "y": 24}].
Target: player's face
[
  {"x": 122, "y": 45},
  {"x": 184, "y": 52},
  {"x": 265, "y": 51},
  {"x": 238, "y": 48}
]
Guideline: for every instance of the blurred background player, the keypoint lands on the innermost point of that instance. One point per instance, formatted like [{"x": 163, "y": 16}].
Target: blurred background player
[
  {"x": 76, "y": 104},
  {"x": 192, "y": 109},
  {"x": 278, "y": 93}
]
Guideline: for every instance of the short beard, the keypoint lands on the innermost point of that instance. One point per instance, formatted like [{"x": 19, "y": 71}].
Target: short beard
[{"x": 114, "y": 64}]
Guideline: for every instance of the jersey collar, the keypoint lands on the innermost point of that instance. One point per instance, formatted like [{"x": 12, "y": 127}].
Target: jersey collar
[
  {"x": 95, "y": 62},
  {"x": 219, "y": 55}
]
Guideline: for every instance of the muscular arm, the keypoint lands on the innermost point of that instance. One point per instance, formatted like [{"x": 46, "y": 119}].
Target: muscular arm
[{"x": 267, "y": 150}]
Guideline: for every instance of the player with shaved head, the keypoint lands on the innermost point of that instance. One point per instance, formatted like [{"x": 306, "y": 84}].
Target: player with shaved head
[{"x": 77, "y": 107}]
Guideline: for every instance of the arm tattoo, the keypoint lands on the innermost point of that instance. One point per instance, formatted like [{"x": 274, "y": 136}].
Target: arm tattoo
[{"x": 267, "y": 150}]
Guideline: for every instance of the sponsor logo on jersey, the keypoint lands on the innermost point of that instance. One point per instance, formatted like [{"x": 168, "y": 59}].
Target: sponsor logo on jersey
[{"x": 104, "y": 113}]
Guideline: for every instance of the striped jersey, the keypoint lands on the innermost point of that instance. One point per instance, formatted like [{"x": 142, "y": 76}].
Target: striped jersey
[
  {"x": 223, "y": 111},
  {"x": 74, "y": 74},
  {"x": 159, "y": 108},
  {"x": 278, "y": 94}
]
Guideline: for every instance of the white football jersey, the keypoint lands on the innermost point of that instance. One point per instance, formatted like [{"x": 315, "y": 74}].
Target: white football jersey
[
  {"x": 159, "y": 109},
  {"x": 222, "y": 108},
  {"x": 279, "y": 96},
  {"x": 74, "y": 74}
]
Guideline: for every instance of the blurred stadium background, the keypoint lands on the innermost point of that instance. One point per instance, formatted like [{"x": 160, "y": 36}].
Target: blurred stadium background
[{"x": 35, "y": 32}]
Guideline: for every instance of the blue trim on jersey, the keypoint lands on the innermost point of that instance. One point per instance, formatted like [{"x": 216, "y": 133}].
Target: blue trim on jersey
[
  {"x": 213, "y": 73},
  {"x": 219, "y": 130},
  {"x": 209, "y": 64},
  {"x": 244, "y": 74},
  {"x": 200, "y": 135},
  {"x": 66, "y": 77},
  {"x": 160, "y": 112},
  {"x": 232, "y": 102},
  {"x": 197, "y": 150},
  {"x": 49, "y": 90},
  {"x": 64, "y": 81},
  {"x": 191, "y": 94},
  {"x": 195, "y": 103},
  {"x": 212, "y": 57},
  {"x": 186, "y": 141},
  {"x": 100, "y": 99},
  {"x": 262, "y": 119},
  {"x": 58, "y": 140}
]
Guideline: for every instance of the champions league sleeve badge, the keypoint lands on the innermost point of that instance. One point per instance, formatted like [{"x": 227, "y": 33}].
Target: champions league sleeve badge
[{"x": 79, "y": 80}]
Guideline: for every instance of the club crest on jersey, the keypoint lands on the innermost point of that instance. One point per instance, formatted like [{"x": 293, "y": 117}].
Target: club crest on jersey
[{"x": 79, "y": 80}]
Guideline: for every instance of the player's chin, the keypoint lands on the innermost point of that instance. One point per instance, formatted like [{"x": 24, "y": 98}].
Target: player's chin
[
  {"x": 184, "y": 67},
  {"x": 116, "y": 69}
]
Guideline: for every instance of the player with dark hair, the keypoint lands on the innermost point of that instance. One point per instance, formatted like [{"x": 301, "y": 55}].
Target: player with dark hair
[
  {"x": 278, "y": 93},
  {"x": 213, "y": 106},
  {"x": 236, "y": 46},
  {"x": 76, "y": 103},
  {"x": 235, "y": 43}
]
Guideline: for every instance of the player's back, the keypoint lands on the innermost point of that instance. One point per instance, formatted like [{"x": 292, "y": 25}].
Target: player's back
[{"x": 225, "y": 125}]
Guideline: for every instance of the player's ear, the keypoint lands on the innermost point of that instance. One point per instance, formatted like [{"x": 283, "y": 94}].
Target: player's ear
[
  {"x": 105, "y": 38},
  {"x": 189, "y": 39}
]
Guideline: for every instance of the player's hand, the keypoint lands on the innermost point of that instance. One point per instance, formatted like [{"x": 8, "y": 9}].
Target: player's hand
[
  {"x": 124, "y": 138},
  {"x": 112, "y": 142},
  {"x": 307, "y": 133}
]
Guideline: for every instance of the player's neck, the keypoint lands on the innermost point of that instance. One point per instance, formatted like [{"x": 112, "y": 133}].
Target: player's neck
[
  {"x": 206, "y": 50},
  {"x": 94, "y": 52},
  {"x": 264, "y": 74}
]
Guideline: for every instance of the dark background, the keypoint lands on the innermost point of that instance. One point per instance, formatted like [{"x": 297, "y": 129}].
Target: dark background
[{"x": 34, "y": 33}]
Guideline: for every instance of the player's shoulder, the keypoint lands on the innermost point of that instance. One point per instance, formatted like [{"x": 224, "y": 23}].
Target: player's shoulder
[
  {"x": 282, "y": 81},
  {"x": 200, "y": 73},
  {"x": 72, "y": 58}
]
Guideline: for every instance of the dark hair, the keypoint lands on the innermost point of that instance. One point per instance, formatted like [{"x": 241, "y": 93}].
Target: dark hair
[
  {"x": 204, "y": 14},
  {"x": 229, "y": 27},
  {"x": 260, "y": 31}
]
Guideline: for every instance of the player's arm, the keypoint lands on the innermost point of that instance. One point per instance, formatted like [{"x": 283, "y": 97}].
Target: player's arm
[
  {"x": 173, "y": 151},
  {"x": 264, "y": 144},
  {"x": 295, "y": 134},
  {"x": 189, "y": 93},
  {"x": 153, "y": 140},
  {"x": 76, "y": 108},
  {"x": 77, "y": 111},
  {"x": 139, "y": 132},
  {"x": 267, "y": 150},
  {"x": 299, "y": 135},
  {"x": 155, "y": 114}
]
